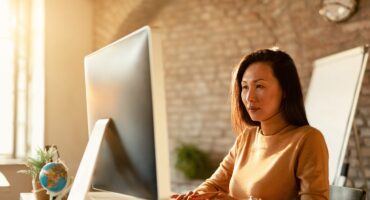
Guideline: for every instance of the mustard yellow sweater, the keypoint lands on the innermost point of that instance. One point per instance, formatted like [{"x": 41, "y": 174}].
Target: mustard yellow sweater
[{"x": 291, "y": 164}]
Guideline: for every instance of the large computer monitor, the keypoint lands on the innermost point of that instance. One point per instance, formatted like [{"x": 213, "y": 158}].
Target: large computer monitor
[{"x": 125, "y": 83}]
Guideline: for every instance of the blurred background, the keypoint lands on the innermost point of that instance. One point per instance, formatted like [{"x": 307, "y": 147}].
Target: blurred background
[{"x": 43, "y": 44}]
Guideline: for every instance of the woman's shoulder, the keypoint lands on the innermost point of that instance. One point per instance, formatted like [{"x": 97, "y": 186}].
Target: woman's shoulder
[
  {"x": 309, "y": 133},
  {"x": 308, "y": 130},
  {"x": 246, "y": 133}
]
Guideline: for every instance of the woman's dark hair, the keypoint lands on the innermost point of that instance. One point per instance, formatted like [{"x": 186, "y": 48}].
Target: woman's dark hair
[{"x": 285, "y": 71}]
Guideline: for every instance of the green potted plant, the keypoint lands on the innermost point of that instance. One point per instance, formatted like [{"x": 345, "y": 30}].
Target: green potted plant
[
  {"x": 192, "y": 162},
  {"x": 34, "y": 166}
]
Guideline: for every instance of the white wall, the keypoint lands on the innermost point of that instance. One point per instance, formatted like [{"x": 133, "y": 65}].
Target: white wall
[{"x": 68, "y": 38}]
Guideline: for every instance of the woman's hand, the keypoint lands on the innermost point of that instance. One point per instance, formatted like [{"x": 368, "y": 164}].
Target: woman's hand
[
  {"x": 185, "y": 196},
  {"x": 203, "y": 196}
]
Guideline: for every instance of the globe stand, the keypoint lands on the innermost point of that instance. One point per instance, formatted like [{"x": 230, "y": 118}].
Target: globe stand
[
  {"x": 61, "y": 194},
  {"x": 51, "y": 197}
]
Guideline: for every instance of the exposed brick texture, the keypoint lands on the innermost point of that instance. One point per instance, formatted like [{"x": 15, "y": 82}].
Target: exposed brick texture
[{"x": 205, "y": 39}]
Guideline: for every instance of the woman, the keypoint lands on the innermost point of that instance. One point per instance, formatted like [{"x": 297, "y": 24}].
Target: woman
[{"x": 277, "y": 155}]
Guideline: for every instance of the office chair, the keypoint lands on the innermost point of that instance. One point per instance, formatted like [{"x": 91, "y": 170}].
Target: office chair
[{"x": 346, "y": 193}]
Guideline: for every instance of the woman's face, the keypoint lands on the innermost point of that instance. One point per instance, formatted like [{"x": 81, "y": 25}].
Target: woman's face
[{"x": 261, "y": 92}]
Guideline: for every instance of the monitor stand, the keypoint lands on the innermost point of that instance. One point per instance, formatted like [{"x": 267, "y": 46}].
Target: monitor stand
[{"x": 82, "y": 183}]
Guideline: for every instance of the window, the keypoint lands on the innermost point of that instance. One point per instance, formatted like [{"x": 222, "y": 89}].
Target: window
[
  {"x": 21, "y": 77},
  {"x": 6, "y": 79}
]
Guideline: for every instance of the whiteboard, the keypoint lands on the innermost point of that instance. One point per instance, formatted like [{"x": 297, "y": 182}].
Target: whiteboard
[{"x": 332, "y": 98}]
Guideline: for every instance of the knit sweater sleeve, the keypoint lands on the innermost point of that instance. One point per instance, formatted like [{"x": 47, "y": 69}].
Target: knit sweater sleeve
[
  {"x": 220, "y": 179},
  {"x": 312, "y": 168}
]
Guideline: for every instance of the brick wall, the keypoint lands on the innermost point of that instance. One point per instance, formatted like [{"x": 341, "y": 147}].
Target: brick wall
[{"x": 204, "y": 39}]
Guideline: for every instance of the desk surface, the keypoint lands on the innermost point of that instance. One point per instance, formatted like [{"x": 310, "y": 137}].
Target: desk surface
[
  {"x": 90, "y": 196},
  {"x": 4, "y": 184}
]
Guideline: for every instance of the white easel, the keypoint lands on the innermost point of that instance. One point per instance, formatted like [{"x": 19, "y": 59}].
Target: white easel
[
  {"x": 331, "y": 103},
  {"x": 359, "y": 156}
]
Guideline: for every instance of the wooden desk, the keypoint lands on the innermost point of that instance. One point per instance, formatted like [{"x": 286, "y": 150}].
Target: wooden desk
[
  {"x": 107, "y": 196},
  {"x": 90, "y": 196},
  {"x": 4, "y": 183}
]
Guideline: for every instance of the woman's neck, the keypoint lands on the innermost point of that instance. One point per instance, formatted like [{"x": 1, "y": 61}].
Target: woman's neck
[{"x": 274, "y": 124}]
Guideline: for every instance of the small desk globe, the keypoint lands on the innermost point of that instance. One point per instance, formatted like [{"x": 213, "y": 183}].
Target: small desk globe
[{"x": 53, "y": 177}]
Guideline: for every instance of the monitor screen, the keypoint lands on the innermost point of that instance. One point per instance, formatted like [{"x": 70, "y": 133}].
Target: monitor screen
[{"x": 124, "y": 82}]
